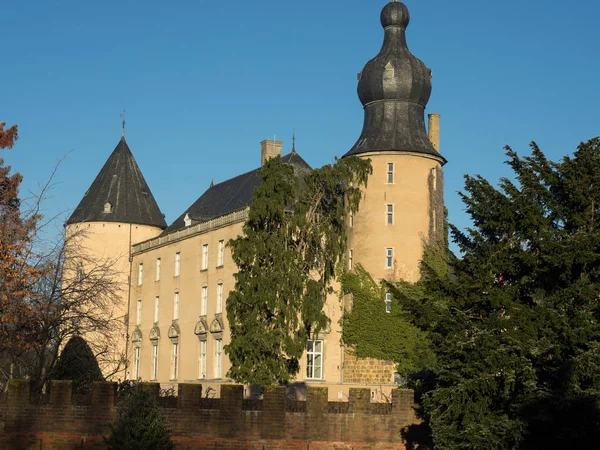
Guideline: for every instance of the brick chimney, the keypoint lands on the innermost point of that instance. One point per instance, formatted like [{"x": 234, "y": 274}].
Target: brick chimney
[
  {"x": 269, "y": 149},
  {"x": 434, "y": 130}
]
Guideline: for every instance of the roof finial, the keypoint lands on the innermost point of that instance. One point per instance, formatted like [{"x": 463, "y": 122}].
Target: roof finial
[
  {"x": 212, "y": 182},
  {"x": 294, "y": 141},
  {"x": 123, "y": 124}
]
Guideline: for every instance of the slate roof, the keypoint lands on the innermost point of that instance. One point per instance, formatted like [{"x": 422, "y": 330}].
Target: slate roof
[
  {"x": 394, "y": 88},
  {"x": 120, "y": 183},
  {"x": 232, "y": 194}
]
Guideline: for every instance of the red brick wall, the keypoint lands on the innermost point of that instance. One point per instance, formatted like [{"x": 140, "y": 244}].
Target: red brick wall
[{"x": 275, "y": 423}]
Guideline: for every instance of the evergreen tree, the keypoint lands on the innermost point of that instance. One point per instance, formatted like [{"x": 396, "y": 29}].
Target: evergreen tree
[
  {"x": 78, "y": 364},
  {"x": 140, "y": 425},
  {"x": 293, "y": 238},
  {"x": 515, "y": 324}
]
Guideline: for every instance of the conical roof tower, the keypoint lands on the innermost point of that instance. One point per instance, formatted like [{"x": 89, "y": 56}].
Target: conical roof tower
[{"x": 119, "y": 194}]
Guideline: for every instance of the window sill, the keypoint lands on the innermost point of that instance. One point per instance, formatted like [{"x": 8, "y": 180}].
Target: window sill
[
  {"x": 220, "y": 267},
  {"x": 203, "y": 270},
  {"x": 176, "y": 276}
]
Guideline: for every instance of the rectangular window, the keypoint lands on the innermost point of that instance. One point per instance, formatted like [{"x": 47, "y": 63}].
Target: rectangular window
[
  {"x": 177, "y": 264},
  {"x": 155, "y": 361},
  {"x": 205, "y": 257},
  {"x": 157, "y": 269},
  {"x": 204, "y": 304},
  {"x": 202, "y": 360},
  {"x": 140, "y": 274},
  {"x": 388, "y": 302},
  {"x": 390, "y": 173},
  {"x": 174, "y": 361},
  {"x": 350, "y": 259},
  {"x": 176, "y": 306},
  {"x": 138, "y": 313},
  {"x": 221, "y": 260},
  {"x": 218, "y": 357},
  {"x": 389, "y": 213},
  {"x": 156, "y": 306},
  {"x": 137, "y": 363},
  {"x": 314, "y": 359},
  {"x": 219, "y": 298},
  {"x": 389, "y": 258},
  {"x": 351, "y": 219}
]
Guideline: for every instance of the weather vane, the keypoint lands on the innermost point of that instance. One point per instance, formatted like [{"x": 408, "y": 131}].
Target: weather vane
[{"x": 123, "y": 124}]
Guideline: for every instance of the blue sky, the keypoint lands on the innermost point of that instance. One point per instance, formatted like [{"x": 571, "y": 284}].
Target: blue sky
[{"x": 204, "y": 82}]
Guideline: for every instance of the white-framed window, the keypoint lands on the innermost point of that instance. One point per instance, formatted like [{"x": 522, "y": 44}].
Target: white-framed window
[
  {"x": 218, "y": 358},
  {"x": 350, "y": 259},
  {"x": 157, "y": 269},
  {"x": 434, "y": 178},
  {"x": 176, "y": 306},
  {"x": 314, "y": 359},
  {"x": 80, "y": 272},
  {"x": 434, "y": 220},
  {"x": 219, "y": 298},
  {"x": 351, "y": 219},
  {"x": 389, "y": 258},
  {"x": 202, "y": 360},
  {"x": 390, "y": 173},
  {"x": 137, "y": 363},
  {"x": 155, "y": 360},
  {"x": 205, "y": 257},
  {"x": 204, "y": 304},
  {"x": 221, "y": 259},
  {"x": 140, "y": 274},
  {"x": 138, "y": 313},
  {"x": 177, "y": 263},
  {"x": 156, "y": 308},
  {"x": 175, "y": 361},
  {"x": 388, "y": 302},
  {"x": 389, "y": 214}
]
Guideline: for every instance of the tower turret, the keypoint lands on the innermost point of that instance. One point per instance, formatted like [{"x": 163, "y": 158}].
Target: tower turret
[
  {"x": 402, "y": 207},
  {"x": 118, "y": 210}
]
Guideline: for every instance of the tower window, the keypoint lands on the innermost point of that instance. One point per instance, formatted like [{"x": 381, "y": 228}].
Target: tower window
[
  {"x": 350, "y": 259},
  {"x": 390, "y": 72},
  {"x": 177, "y": 264},
  {"x": 205, "y": 257},
  {"x": 389, "y": 220},
  {"x": 221, "y": 260},
  {"x": 388, "y": 302},
  {"x": 204, "y": 304},
  {"x": 202, "y": 361},
  {"x": 140, "y": 274},
  {"x": 156, "y": 306},
  {"x": 390, "y": 173},
  {"x": 175, "y": 361},
  {"x": 218, "y": 358},
  {"x": 138, "y": 315},
  {"x": 176, "y": 306},
  {"x": 155, "y": 360},
  {"x": 314, "y": 359},
  {"x": 389, "y": 258},
  {"x": 108, "y": 207},
  {"x": 219, "y": 298},
  {"x": 157, "y": 269}
]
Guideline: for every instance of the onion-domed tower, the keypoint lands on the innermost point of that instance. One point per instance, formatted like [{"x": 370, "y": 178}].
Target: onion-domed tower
[{"x": 402, "y": 207}]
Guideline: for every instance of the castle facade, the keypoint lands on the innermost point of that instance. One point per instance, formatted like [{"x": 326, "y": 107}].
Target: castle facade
[{"x": 177, "y": 277}]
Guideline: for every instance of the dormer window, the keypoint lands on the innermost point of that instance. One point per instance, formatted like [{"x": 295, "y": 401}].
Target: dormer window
[
  {"x": 390, "y": 72},
  {"x": 108, "y": 207},
  {"x": 187, "y": 220}
]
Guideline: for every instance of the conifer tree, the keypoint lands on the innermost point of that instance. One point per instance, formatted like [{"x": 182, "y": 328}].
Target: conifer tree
[
  {"x": 515, "y": 325},
  {"x": 78, "y": 364},
  {"x": 293, "y": 238}
]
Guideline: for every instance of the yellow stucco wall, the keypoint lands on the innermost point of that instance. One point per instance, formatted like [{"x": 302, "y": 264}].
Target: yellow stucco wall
[
  {"x": 410, "y": 193},
  {"x": 102, "y": 242}
]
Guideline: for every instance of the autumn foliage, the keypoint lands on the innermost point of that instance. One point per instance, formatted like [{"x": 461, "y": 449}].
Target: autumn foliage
[{"x": 17, "y": 276}]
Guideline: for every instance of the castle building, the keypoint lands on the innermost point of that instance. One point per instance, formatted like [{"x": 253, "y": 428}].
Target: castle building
[{"x": 180, "y": 275}]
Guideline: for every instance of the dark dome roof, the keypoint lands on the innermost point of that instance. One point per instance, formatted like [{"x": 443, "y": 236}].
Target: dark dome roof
[
  {"x": 395, "y": 14},
  {"x": 395, "y": 73},
  {"x": 394, "y": 88}
]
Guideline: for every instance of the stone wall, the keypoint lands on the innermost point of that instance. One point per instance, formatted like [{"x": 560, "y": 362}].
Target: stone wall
[
  {"x": 230, "y": 422},
  {"x": 368, "y": 370}
]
